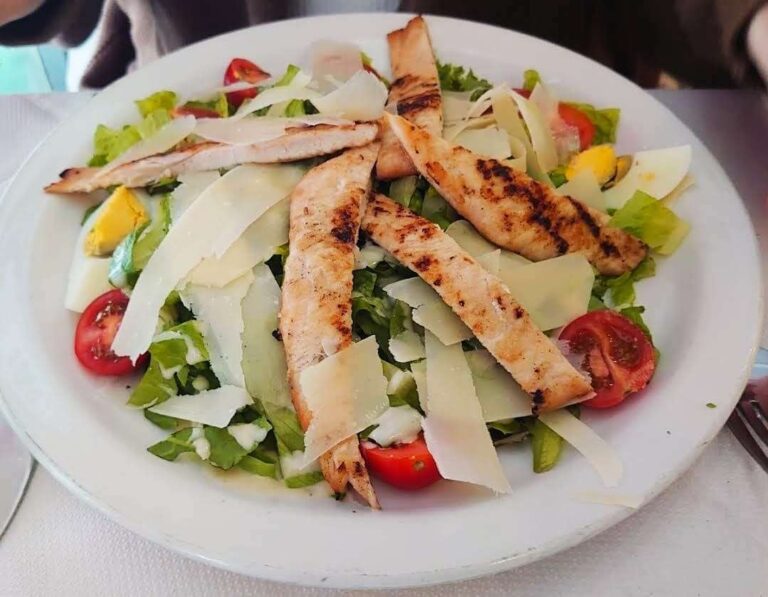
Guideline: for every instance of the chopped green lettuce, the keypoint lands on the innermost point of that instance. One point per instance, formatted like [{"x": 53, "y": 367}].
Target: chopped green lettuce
[
  {"x": 530, "y": 79},
  {"x": 456, "y": 78},
  {"x": 288, "y": 76},
  {"x": 652, "y": 222},
  {"x": 546, "y": 447},
  {"x": 109, "y": 143},
  {"x": 438, "y": 210},
  {"x": 151, "y": 237},
  {"x": 174, "y": 445},
  {"x": 225, "y": 451},
  {"x": 218, "y": 105},
  {"x": 133, "y": 252},
  {"x": 285, "y": 425},
  {"x": 259, "y": 462},
  {"x": 162, "y": 421},
  {"x": 557, "y": 176},
  {"x": 160, "y": 100},
  {"x": 622, "y": 288},
  {"x": 304, "y": 480},
  {"x": 123, "y": 272},
  {"x": 168, "y": 364},
  {"x": 295, "y": 108}
]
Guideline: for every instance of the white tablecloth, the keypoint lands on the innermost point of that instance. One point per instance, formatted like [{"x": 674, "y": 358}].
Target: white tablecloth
[{"x": 706, "y": 535}]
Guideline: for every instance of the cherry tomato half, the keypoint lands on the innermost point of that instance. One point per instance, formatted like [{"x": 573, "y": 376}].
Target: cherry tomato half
[
  {"x": 95, "y": 332},
  {"x": 238, "y": 70},
  {"x": 573, "y": 117},
  {"x": 405, "y": 466},
  {"x": 616, "y": 352}
]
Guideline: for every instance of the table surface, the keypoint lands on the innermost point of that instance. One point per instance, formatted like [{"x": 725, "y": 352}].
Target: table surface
[{"x": 706, "y": 535}]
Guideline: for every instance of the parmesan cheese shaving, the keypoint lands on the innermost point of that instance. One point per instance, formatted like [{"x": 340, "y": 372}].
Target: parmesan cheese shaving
[
  {"x": 491, "y": 261},
  {"x": 346, "y": 393},
  {"x": 258, "y": 243},
  {"x": 429, "y": 310},
  {"x": 595, "y": 449},
  {"x": 212, "y": 407},
  {"x": 191, "y": 187},
  {"x": 554, "y": 291},
  {"x": 247, "y": 131},
  {"x": 209, "y": 226},
  {"x": 454, "y": 427},
  {"x": 500, "y": 396},
  {"x": 584, "y": 188},
  {"x": 219, "y": 311},
  {"x": 264, "y": 364},
  {"x": 285, "y": 93},
  {"x": 406, "y": 347},
  {"x": 362, "y": 97},
  {"x": 489, "y": 142},
  {"x": 541, "y": 139}
]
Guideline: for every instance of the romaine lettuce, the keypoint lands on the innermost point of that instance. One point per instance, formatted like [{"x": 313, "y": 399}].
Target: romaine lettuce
[
  {"x": 170, "y": 355},
  {"x": 160, "y": 100},
  {"x": 546, "y": 447},
  {"x": 652, "y": 222},
  {"x": 456, "y": 78},
  {"x": 109, "y": 143}
]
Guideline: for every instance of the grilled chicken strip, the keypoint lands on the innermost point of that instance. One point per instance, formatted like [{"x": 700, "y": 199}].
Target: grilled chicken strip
[
  {"x": 480, "y": 299},
  {"x": 296, "y": 144},
  {"x": 316, "y": 312},
  {"x": 415, "y": 92},
  {"x": 515, "y": 211}
]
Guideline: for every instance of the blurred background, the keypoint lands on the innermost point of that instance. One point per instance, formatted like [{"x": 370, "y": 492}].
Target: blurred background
[{"x": 67, "y": 45}]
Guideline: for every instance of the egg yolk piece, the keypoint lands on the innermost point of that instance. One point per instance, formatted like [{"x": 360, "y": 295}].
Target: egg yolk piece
[
  {"x": 122, "y": 214},
  {"x": 600, "y": 160}
]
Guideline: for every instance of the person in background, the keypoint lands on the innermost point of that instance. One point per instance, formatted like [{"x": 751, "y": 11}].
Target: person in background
[{"x": 703, "y": 43}]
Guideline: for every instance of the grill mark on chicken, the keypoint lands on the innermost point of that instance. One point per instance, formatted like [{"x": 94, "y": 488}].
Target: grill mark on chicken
[
  {"x": 414, "y": 94},
  {"x": 296, "y": 144},
  {"x": 480, "y": 299},
  {"x": 316, "y": 311},
  {"x": 513, "y": 210}
]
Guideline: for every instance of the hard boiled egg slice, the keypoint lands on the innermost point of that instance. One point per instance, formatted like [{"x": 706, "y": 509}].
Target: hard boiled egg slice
[
  {"x": 88, "y": 276},
  {"x": 656, "y": 172}
]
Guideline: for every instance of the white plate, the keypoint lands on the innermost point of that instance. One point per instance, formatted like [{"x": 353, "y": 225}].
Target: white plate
[{"x": 704, "y": 309}]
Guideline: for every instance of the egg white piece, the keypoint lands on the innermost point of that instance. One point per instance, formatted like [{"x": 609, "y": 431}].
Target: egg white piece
[{"x": 656, "y": 172}]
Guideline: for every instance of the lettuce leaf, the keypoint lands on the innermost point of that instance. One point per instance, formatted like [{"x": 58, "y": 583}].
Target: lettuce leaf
[
  {"x": 546, "y": 447},
  {"x": 652, "y": 222},
  {"x": 151, "y": 237},
  {"x": 160, "y": 100},
  {"x": 285, "y": 425},
  {"x": 174, "y": 445},
  {"x": 109, "y": 143},
  {"x": 456, "y": 78},
  {"x": 288, "y": 76},
  {"x": 304, "y": 480},
  {"x": 259, "y": 462},
  {"x": 123, "y": 272},
  {"x": 530, "y": 78},
  {"x": 166, "y": 355},
  {"x": 622, "y": 288},
  {"x": 225, "y": 451},
  {"x": 218, "y": 105}
]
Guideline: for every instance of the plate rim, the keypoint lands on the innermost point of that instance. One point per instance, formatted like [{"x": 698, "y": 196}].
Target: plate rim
[{"x": 436, "y": 576}]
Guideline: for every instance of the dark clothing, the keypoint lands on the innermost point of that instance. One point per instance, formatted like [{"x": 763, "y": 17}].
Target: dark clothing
[{"x": 700, "y": 42}]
